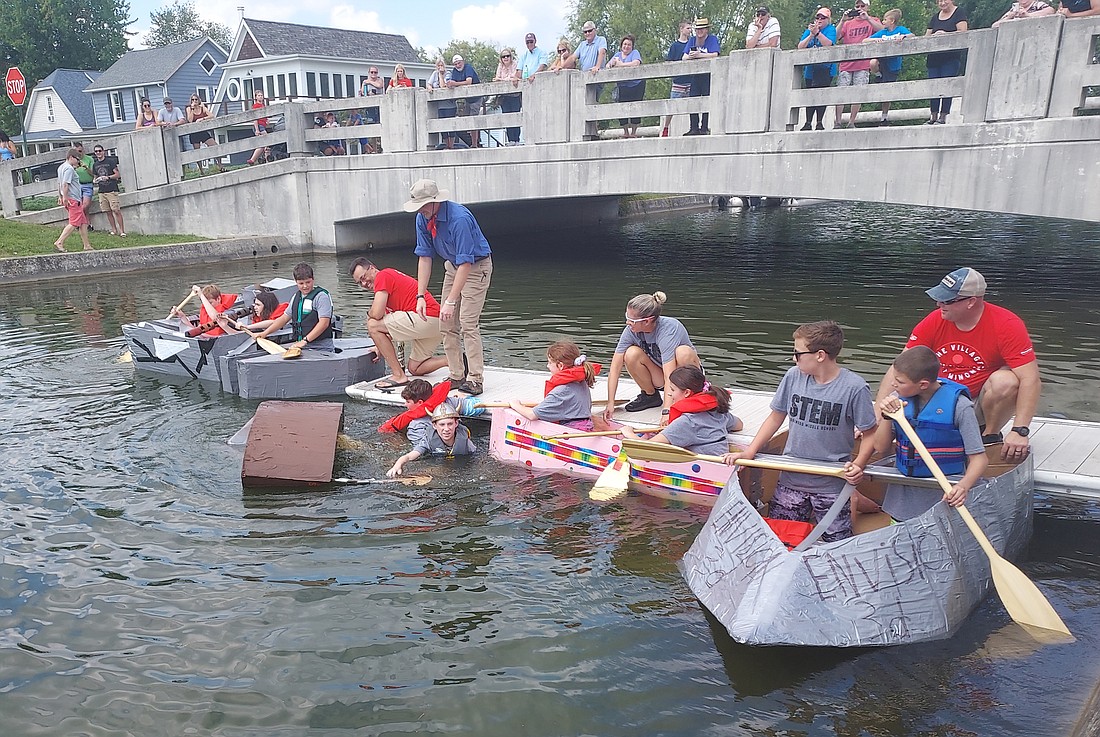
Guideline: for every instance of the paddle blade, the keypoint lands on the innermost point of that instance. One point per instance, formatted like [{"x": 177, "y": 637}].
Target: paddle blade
[
  {"x": 612, "y": 483},
  {"x": 414, "y": 480},
  {"x": 647, "y": 450},
  {"x": 126, "y": 357},
  {"x": 1022, "y": 598},
  {"x": 269, "y": 345},
  {"x": 346, "y": 442},
  {"x": 292, "y": 352}
]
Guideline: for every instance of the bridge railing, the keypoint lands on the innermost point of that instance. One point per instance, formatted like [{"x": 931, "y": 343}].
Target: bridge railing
[{"x": 1025, "y": 70}]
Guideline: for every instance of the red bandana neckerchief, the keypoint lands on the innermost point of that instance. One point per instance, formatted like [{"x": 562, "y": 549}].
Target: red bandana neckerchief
[
  {"x": 695, "y": 403},
  {"x": 568, "y": 376},
  {"x": 432, "y": 224},
  {"x": 403, "y": 420}
]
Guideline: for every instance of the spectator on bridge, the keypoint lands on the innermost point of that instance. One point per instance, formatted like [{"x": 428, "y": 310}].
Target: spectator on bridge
[
  {"x": 592, "y": 51},
  {"x": 84, "y": 174},
  {"x": 392, "y": 317},
  {"x": 704, "y": 45},
  {"x": 69, "y": 196},
  {"x": 333, "y": 147},
  {"x": 887, "y": 69},
  {"x": 372, "y": 85},
  {"x": 681, "y": 86},
  {"x": 196, "y": 111},
  {"x": 533, "y": 60},
  {"x": 449, "y": 230},
  {"x": 400, "y": 79},
  {"x": 856, "y": 26},
  {"x": 942, "y": 64},
  {"x": 7, "y": 148},
  {"x": 565, "y": 59},
  {"x": 464, "y": 75},
  {"x": 147, "y": 117},
  {"x": 447, "y": 108},
  {"x": 170, "y": 116},
  {"x": 1025, "y": 9},
  {"x": 356, "y": 119},
  {"x": 259, "y": 126},
  {"x": 1079, "y": 8},
  {"x": 107, "y": 176},
  {"x": 763, "y": 31},
  {"x": 820, "y": 33},
  {"x": 987, "y": 349},
  {"x": 651, "y": 347},
  {"x": 508, "y": 70},
  {"x": 630, "y": 90}
]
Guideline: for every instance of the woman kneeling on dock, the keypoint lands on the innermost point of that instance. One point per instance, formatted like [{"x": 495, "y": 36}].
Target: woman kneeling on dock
[
  {"x": 651, "y": 347},
  {"x": 699, "y": 418}
]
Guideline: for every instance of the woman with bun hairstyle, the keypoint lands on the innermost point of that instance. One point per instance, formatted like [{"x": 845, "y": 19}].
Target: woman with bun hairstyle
[
  {"x": 568, "y": 395},
  {"x": 699, "y": 418},
  {"x": 651, "y": 347}
]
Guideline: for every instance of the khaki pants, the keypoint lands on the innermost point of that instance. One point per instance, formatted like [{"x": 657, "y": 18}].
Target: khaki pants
[{"x": 466, "y": 320}]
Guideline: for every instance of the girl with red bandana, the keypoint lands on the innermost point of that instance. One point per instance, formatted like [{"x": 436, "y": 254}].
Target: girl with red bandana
[
  {"x": 699, "y": 418},
  {"x": 568, "y": 394}
]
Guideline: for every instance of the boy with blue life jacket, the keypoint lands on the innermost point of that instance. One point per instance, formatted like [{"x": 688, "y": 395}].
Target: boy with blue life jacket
[
  {"x": 309, "y": 313},
  {"x": 942, "y": 414}
]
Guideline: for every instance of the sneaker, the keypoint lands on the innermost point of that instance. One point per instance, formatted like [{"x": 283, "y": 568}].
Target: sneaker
[
  {"x": 456, "y": 383},
  {"x": 471, "y": 387},
  {"x": 121, "y": 235},
  {"x": 644, "y": 401},
  {"x": 807, "y": 127},
  {"x": 692, "y": 132},
  {"x": 819, "y": 127},
  {"x": 993, "y": 439}
]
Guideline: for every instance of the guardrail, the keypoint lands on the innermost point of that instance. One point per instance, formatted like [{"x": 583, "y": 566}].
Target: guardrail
[{"x": 1030, "y": 69}]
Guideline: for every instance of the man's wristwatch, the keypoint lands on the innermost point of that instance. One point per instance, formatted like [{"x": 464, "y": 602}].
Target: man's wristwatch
[{"x": 1022, "y": 431}]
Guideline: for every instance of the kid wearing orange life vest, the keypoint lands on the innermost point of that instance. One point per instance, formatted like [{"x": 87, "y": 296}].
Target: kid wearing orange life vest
[
  {"x": 699, "y": 417},
  {"x": 568, "y": 393}
]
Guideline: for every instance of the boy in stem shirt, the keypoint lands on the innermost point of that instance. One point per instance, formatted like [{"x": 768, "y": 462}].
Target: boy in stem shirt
[
  {"x": 943, "y": 416},
  {"x": 824, "y": 405},
  {"x": 443, "y": 435}
]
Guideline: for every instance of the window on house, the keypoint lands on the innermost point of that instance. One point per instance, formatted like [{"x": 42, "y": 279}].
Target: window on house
[
  {"x": 203, "y": 93},
  {"x": 139, "y": 93},
  {"x": 337, "y": 85},
  {"x": 325, "y": 91},
  {"x": 293, "y": 84},
  {"x": 350, "y": 88},
  {"x": 49, "y": 108},
  {"x": 282, "y": 86},
  {"x": 269, "y": 87},
  {"x": 208, "y": 63},
  {"x": 114, "y": 102},
  {"x": 311, "y": 84},
  {"x": 249, "y": 86}
]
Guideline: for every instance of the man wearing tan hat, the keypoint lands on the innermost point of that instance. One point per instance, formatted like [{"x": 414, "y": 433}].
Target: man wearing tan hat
[
  {"x": 449, "y": 230},
  {"x": 704, "y": 45}
]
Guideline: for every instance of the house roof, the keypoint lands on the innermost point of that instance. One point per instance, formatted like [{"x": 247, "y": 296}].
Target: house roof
[
  {"x": 68, "y": 85},
  {"x": 146, "y": 66},
  {"x": 285, "y": 39}
]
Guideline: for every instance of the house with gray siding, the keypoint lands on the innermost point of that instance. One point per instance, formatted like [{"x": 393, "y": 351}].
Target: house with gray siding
[
  {"x": 58, "y": 109},
  {"x": 176, "y": 71}
]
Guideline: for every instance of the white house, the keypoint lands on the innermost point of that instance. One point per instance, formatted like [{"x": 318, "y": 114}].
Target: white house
[{"x": 291, "y": 61}]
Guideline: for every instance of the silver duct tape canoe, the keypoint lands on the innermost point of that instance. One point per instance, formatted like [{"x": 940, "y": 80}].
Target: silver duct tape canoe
[
  {"x": 157, "y": 346},
  {"x": 901, "y": 584},
  {"x": 316, "y": 374}
]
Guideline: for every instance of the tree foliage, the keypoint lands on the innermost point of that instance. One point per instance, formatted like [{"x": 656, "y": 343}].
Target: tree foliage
[
  {"x": 40, "y": 36},
  {"x": 483, "y": 56},
  {"x": 180, "y": 22}
]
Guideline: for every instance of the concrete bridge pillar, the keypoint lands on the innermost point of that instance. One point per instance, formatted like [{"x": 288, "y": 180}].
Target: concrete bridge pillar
[
  {"x": 149, "y": 148},
  {"x": 294, "y": 119},
  {"x": 546, "y": 108},
  {"x": 747, "y": 102},
  {"x": 402, "y": 129}
]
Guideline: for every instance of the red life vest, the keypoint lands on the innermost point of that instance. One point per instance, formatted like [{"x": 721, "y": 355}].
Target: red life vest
[
  {"x": 403, "y": 420},
  {"x": 568, "y": 376},
  {"x": 699, "y": 402}
]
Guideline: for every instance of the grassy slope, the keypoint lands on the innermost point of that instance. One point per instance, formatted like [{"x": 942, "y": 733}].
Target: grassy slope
[{"x": 25, "y": 239}]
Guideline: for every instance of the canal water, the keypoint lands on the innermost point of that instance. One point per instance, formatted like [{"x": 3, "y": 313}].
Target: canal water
[{"x": 143, "y": 592}]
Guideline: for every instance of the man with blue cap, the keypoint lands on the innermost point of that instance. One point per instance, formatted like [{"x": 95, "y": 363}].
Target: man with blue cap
[{"x": 987, "y": 349}]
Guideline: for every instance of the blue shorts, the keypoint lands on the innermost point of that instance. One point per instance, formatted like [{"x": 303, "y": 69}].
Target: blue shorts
[{"x": 86, "y": 191}]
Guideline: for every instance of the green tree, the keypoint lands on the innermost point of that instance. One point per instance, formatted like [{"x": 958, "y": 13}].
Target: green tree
[
  {"x": 484, "y": 57},
  {"x": 180, "y": 22},
  {"x": 40, "y": 36}
]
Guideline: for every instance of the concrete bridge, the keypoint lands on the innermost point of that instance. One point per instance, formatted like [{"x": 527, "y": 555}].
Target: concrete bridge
[{"x": 1021, "y": 139}]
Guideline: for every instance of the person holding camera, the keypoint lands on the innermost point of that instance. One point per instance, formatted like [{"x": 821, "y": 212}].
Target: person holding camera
[
  {"x": 819, "y": 33},
  {"x": 855, "y": 27}
]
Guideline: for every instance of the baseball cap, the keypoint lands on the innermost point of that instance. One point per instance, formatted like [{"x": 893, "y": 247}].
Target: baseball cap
[
  {"x": 456, "y": 57},
  {"x": 964, "y": 282},
  {"x": 763, "y": 9},
  {"x": 529, "y": 37},
  {"x": 824, "y": 11}
]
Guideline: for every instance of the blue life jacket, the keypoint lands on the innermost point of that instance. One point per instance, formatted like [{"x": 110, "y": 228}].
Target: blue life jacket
[{"x": 935, "y": 426}]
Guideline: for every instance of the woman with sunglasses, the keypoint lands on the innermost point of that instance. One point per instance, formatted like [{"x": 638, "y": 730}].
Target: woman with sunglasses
[
  {"x": 508, "y": 71},
  {"x": 651, "y": 347},
  {"x": 147, "y": 117},
  {"x": 565, "y": 59},
  {"x": 629, "y": 90},
  {"x": 820, "y": 33},
  {"x": 196, "y": 111}
]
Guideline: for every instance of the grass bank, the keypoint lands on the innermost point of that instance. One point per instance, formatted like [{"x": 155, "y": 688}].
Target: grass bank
[{"x": 27, "y": 239}]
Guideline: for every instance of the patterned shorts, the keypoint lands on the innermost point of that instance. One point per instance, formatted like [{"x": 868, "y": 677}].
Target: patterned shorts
[{"x": 806, "y": 506}]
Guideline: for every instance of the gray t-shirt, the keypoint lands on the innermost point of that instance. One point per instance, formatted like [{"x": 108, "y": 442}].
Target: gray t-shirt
[
  {"x": 175, "y": 115},
  {"x": 425, "y": 439},
  {"x": 906, "y": 502},
  {"x": 822, "y": 419},
  {"x": 702, "y": 432},
  {"x": 572, "y": 401},
  {"x": 660, "y": 344},
  {"x": 67, "y": 174}
]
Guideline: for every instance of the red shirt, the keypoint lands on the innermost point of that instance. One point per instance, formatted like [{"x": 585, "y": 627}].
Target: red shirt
[
  {"x": 400, "y": 292},
  {"x": 262, "y": 122},
  {"x": 224, "y": 303},
  {"x": 999, "y": 339},
  {"x": 406, "y": 82}
]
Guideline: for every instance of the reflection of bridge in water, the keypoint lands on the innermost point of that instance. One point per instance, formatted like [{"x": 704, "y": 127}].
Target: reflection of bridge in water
[{"x": 1017, "y": 142}]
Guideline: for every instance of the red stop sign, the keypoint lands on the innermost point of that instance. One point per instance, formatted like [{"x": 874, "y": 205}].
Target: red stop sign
[{"x": 16, "y": 85}]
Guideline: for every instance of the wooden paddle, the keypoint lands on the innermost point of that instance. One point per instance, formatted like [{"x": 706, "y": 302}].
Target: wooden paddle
[
  {"x": 491, "y": 405},
  {"x": 188, "y": 298},
  {"x": 612, "y": 483},
  {"x": 420, "y": 480},
  {"x": 1021, "y": 597},
  {"x": 598, "y": 433},
  {"x": 647, "y": 450}
]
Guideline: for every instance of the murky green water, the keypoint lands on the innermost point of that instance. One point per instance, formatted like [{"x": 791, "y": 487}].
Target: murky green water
[{"x": 141, "y": 592}]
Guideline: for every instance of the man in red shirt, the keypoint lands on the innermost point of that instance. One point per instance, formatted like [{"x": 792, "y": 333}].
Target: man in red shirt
[
  {"x": 392, "y": 317},
  {"x": 986, "y": 348}
]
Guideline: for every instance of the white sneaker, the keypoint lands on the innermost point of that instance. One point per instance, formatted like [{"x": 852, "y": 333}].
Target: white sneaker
[{"x": 122, "y": 235}]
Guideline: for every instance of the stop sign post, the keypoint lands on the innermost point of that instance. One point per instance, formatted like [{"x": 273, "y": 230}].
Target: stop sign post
[{"x": 16, "y": 85}]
